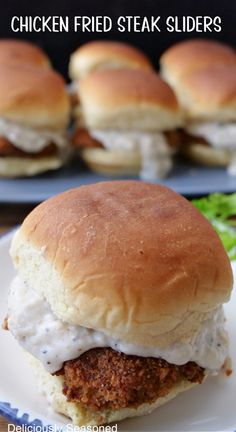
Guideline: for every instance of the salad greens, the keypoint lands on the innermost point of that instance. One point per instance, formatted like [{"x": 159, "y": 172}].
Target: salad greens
[{"x": 220, "y": 210}]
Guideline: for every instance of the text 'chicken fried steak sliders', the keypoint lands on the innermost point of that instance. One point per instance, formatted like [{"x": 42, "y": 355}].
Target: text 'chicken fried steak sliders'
[
  {"x": 34, "y": 113},
  {"x": 119, "y": 299},
  {"x": 127, "y": 123}
]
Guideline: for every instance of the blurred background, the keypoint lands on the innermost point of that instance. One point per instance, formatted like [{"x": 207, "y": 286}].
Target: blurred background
[{"x": 60, "y": 45}]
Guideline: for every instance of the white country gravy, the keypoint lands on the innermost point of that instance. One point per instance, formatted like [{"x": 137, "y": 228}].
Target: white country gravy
[
  {"x": 220, "y": 135},
  {"x": 39, "y": 331},
  {"x": 155, "y": 152},
  {"x": 28, "y": 139}
]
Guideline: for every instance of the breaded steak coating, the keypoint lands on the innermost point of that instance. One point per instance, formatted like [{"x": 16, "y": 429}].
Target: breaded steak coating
[{"x": 103, "y": 378}]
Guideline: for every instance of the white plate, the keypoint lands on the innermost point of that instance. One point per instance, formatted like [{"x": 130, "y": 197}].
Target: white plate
[{"x": 208, "y": 407}]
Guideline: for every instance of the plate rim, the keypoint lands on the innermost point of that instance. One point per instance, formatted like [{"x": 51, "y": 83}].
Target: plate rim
[{"x": 11, "y": 414}]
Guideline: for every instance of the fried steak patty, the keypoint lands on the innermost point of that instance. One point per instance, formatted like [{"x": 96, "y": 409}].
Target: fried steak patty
[
  {"x": 103, "y": 378},
  {"x": 188, "y": 139},
  {"x": 82, "y": 138},
  {"x": 7, "y": 149}
]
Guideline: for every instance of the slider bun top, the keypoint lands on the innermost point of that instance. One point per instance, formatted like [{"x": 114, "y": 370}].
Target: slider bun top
[
  {"x": 189, "y": 55},
  {"x": 128, "y": 99},
  {"x": 133, "y": 259},
  {"x": 106, "y": 55},
  {"x": 20, "y": 51},
  {"x": 210, "y": 94},
  {"x": 33, "y": 96}
]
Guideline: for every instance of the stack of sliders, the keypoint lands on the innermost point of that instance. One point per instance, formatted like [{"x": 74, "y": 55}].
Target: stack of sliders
[
  {"x": 34, "y": 113},
  {"x": 127, "y": 123},
  {"x": 192, "y": 55},
  {"x": 22, "y": 52},
  {"x": 101, "y": 54},
  {"x": 118, "y": 298}
]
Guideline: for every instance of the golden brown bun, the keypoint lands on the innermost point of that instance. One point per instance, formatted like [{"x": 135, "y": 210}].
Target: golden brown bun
[
  {"x": 22, "y": 52},
  {"x": 206, "y": 155},
  {"x": 106, "y": 55},
  {"x": 52, "y": 387},
  {"x": 26, "y": 167},
  {"x": 132, "y": 259},
  {"x": 210, "y": 94},
  {"x": 194, "y": 54},
  {"x": 128, "y": 99},
  {"x": 33, "y": 97}
]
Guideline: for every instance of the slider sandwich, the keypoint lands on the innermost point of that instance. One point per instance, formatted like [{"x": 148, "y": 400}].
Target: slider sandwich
[
  {"x": 192, "y": 55},
  {"x": 22, "y": 52},
  {"x": 118, "y": 299},
  {"x": 209, "y": 101},
  {"x": 127, "y": 123},
  {"x": 34, "y": 113},
  {"x": 102, "y": 54}
]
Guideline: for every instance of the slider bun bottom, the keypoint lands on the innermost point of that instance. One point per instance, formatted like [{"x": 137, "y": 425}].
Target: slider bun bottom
[
  {"x": 26, "y": 166},
  {"x": 112, "y": 162},
  {"x": 51, "y": 386},
  {"x": 206, "y": 155}
]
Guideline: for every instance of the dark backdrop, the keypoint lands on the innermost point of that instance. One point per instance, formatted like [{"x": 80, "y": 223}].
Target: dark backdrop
[{"x": 60, "y": 45}]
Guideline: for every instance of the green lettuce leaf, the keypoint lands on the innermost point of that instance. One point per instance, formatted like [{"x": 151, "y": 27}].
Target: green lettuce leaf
[{"x": 220, "y": 210}]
